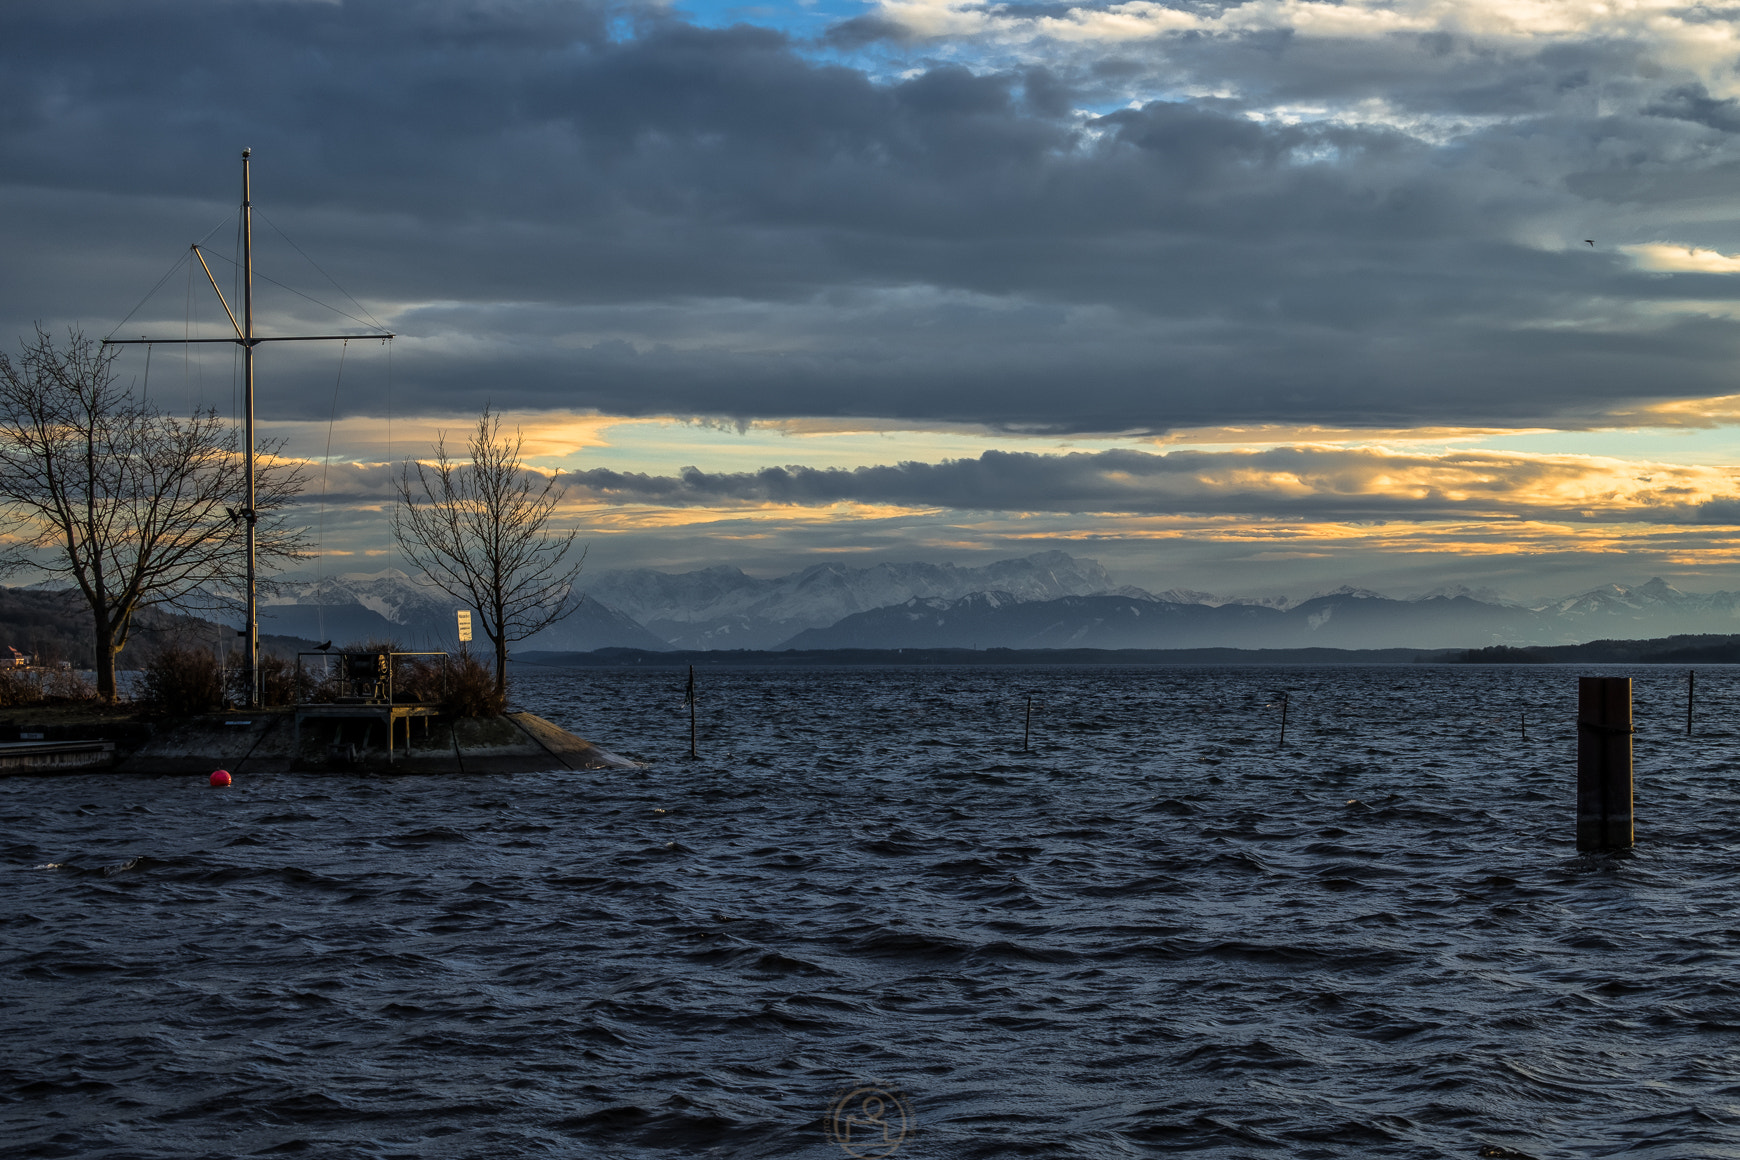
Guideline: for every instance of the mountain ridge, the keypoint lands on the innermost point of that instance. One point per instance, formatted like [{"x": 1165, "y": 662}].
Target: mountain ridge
[
  {"x": 1347, "y": 617},
  {"x": 1048, "y": 599}
]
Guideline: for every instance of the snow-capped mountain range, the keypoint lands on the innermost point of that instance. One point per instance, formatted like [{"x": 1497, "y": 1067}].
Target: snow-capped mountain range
[
  {"x": 387, "y": 606},
  {"x": 1349, "y": 618},
  {"x": 723, "y": 608},
  {"x": 1050, "y": 599}
]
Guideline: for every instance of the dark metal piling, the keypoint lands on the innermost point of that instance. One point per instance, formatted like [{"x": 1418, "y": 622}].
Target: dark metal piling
[
  {"x": 691, "y": 700},
  {"x": 1604, "y": 763},
  {"x": 1691, "y": 690}
]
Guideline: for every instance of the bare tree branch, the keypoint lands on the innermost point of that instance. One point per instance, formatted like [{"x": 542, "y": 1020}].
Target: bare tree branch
[
  {"x": 125, "y": 501},
  {"x": 477, "y": 530}
]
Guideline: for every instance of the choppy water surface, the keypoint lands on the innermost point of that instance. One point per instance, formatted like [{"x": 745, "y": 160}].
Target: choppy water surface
[{"x": 1156, "y": 933}]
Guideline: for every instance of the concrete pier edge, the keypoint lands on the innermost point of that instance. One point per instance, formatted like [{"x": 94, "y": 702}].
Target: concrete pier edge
[{"x": 267, "y": 741}]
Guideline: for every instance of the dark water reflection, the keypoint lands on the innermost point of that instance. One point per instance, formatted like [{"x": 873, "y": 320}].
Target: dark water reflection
[{"x": 1154, "y": 934}]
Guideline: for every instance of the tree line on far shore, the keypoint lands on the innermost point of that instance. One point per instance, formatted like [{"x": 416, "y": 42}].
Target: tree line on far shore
[{"x": 142, "y": 513}]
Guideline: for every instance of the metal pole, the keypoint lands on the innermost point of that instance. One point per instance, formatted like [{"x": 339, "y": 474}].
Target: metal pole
[
  {"x": 1027, "y": 733},
  {"x": 1282, "y": 743},
  {"x": 691, "y": 710},
  {"x": 1691, "y": 689},
  {"x": 248, "y": 512},
  {"x": 247, "y": 341}
]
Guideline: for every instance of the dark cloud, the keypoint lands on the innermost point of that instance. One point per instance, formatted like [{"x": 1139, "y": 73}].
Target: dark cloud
[
  {"x": 1693, "y": 103},
  {"x": 582, "y": 206}
]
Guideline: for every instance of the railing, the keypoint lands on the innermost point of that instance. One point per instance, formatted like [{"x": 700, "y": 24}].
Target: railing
[{"x": 366, "y": 678}]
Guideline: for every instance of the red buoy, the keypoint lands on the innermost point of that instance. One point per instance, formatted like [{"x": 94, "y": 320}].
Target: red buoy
[{"x": 221, "y": 777}]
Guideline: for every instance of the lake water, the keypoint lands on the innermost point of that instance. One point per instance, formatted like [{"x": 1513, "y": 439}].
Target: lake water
[{"x": 1156, "y": 933}]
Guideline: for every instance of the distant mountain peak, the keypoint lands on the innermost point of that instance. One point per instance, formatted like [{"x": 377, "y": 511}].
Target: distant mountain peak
[
  {"x": 1464, "y": 592},
  {"x": 1179, "y": 596},
  {"x": 1349, "y": 590}
]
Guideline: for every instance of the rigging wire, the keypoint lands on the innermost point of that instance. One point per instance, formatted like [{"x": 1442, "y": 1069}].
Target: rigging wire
[
  {"x": 372, "y": 320},
  {"x": 392, "y": 541},
  {"x": 167, "y": 274},
  {"x": 186, "y": 333},
  {"x": 145, "y": 389},
  {"x": 236, "y": 353},
  {"x": 309, "y": 297},
  {"x": 320, "y": 534}
]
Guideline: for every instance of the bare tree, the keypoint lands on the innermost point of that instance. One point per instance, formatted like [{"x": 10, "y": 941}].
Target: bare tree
[
  {"x": 478, "y": 531},
  {"x": 133, "y": 505}
]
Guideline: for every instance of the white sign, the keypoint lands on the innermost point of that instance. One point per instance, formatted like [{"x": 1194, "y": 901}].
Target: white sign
[{"x": 464, "y": 624}]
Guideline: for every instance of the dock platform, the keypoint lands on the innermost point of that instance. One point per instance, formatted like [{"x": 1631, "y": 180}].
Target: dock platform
[{"x": 389, "y": 715}]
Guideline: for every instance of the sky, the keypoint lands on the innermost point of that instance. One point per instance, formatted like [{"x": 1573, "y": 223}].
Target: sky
[{"x": 1255, "y": 298}]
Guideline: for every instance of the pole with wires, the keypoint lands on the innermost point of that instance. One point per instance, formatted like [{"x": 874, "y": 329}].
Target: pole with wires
[
  {"x": 248, "y": 513},
  {"x": 247, "y": 340}
]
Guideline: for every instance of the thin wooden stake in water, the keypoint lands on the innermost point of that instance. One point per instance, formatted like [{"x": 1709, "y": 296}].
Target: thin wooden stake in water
[
  {"x": 1525, "y": 724},
  {"x": 691, "y": 699},
  {"x": 1691, "y": 688},
  {"x": 1027, "y": 733},
  {"x": 1604, "y": 777},
  {"x": 1282, "y": 744}
]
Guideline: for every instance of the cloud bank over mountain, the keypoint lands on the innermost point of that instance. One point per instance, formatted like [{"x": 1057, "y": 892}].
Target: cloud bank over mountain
[{"x": 1325, "y": 482}]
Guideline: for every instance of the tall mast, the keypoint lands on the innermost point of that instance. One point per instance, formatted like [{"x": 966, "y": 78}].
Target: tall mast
[
  {"x": 246, "y": 339},
  {"x": 248, "y": 512}
]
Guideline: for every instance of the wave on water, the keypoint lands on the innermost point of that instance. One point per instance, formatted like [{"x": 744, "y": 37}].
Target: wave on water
[{"x": 1151, "y": 931}]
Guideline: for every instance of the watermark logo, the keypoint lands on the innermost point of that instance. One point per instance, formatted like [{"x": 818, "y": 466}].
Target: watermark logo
[{"x": 870, "y": 1122}]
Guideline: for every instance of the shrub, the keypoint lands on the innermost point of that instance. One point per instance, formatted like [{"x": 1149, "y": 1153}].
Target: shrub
[
  {"x": 471, "y": 689},
  {"x": 42, "y": 686},
  {"x": 179, "y": 681},
  {"x": 421, "y": 680},
  {"x": 65, "y": 684},
  {"x": 16, "y": 688},
  {"x": 280, "y": 683}
]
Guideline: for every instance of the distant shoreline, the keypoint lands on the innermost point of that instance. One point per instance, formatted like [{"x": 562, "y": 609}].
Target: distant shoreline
[
  {"x": 822, "y": 658},
  {"x": 1672, "y": 650}
]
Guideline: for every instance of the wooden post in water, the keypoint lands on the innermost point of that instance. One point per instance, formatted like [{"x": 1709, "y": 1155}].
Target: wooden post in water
[
  {"x": 1027, "y": 733},
  {"x": 1691, "y": 688},
  {"x": 1604, "y": 779},
  {"x": 691, "y": 699},
  {"x": 1282, "y": 743},
  {"x": 1525, "y": 724}
]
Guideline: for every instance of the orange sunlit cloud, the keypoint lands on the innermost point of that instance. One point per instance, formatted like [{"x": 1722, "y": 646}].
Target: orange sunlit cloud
[
  {"x": 1674, "y": 258},
  {"x": 1308, "y": 482}
]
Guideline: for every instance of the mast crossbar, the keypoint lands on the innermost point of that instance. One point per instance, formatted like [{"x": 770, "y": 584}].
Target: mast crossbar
[{"x": 241, "y": 342}]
